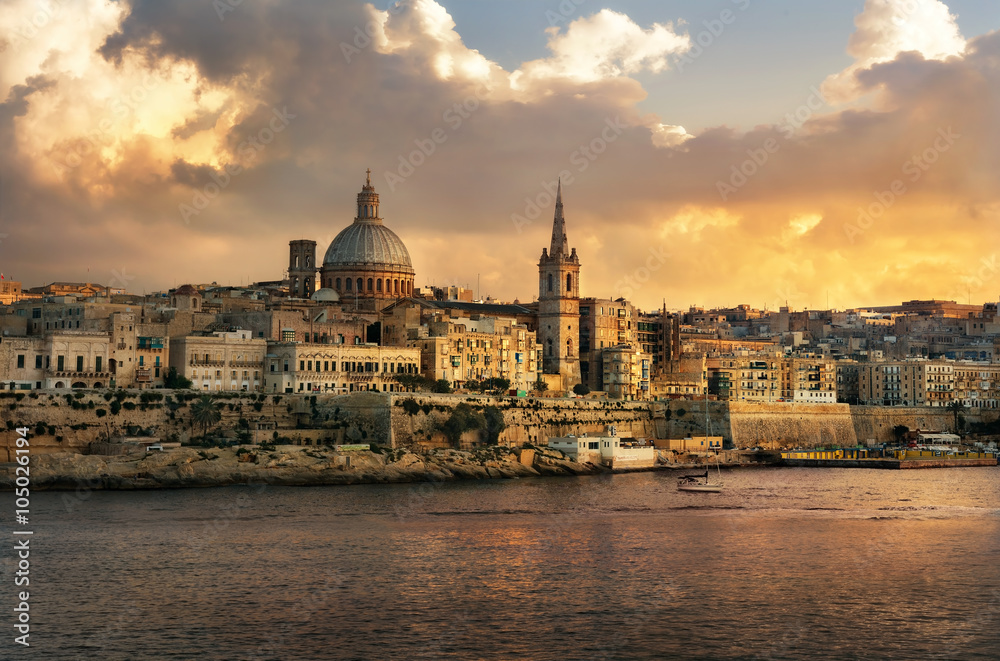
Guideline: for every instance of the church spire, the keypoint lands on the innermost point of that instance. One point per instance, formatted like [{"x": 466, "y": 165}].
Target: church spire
[{"x": 560, "y": 244}]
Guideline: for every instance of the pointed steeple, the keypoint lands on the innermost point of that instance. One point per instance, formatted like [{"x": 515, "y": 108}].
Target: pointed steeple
[{"x": 560, "y": 244}]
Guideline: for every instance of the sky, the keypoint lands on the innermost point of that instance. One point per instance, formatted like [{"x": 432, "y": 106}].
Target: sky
[{"x": 712, "y": 153}]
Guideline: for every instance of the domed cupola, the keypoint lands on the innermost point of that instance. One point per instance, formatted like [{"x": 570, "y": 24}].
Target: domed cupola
[{"x": 367, "y": 260}]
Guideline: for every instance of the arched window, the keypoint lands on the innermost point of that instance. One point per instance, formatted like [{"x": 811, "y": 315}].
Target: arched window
[
  {"x": 378, "y": 285},
  {"x": 349, "y": 284},
  {"x": 309, "y": 261},
  {"x": 395, "y": 284},
  {"x": 360, "y": 284},
  {"x": 338, "y": 284},
  {"x": 370, "y": 284},
  {"x": 569, "y": 282},
  {"x": 550, "y": 282},
  {"x": 548, "y": 348},
  {"x": 409, "y": 289}
]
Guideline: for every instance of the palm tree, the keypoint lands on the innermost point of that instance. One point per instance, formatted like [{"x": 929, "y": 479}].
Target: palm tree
[
  {"x": 957, "y": 408},
  {"x": 206, "y": 413}
]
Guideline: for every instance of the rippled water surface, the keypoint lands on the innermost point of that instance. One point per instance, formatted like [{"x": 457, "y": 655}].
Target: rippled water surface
[{"x": 786, "y": 564}]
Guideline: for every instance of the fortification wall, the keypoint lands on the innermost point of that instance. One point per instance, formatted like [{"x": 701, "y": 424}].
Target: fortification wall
[
  {"x": 877, "y": 422},
  {"x": 804, "y": 425},
  {"x": 528, "y": 420}
]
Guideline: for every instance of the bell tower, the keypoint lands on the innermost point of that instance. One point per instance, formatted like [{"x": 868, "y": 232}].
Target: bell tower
[
  {"x": 559, "y": 303},
  {"x": 302, "y": 268}
]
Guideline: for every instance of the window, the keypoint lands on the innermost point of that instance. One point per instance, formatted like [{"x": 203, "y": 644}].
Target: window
[
  {"x": 79, "y": 363},
  {"x": 359, "y": 284},
  {"x": 20, "y": 361},
  {"x": 349, "y": 283},
  {"x": 378, "y": 285},
  {"x": 569, "y": 282},
  {"x": 550, "y": 282},
  {"x": 370, "y": 284},
  {"x": 338, "y": 284},
  {"x": 141, "y": 361},
  {"x": 99, "y": 363},
  {"x": 38, "y": 362}
]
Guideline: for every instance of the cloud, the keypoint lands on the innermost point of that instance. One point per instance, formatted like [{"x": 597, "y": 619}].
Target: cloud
[
  {"x": 887, "y": 28},
  {"x": 155, "y": 102}
]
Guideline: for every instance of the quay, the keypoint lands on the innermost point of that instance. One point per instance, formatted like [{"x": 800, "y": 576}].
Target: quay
[{"x": 894, "y": 460}]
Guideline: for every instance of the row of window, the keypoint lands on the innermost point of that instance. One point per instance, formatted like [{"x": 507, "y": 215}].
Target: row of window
[
  {"x": 392, "y": 286},
  {"x": 350, "y": 366}
]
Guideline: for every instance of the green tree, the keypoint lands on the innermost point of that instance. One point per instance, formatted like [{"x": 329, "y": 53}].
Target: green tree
[
  {"x": 540, "y": 386},
  {"x": 441, "y": 386},
  {"x": 411, "y": 382},
  {"x": 957, "y": 408},
  {"x": 497, "y": 384},
  {"x": 116, "y": 407},
  {"x": 462, "y": 419},
  {"x": 581, "y": 389},
  {"x": 206, "y": 413},
  {"x": 174, "y": 380},
  {"x": 495, "y": 424}
]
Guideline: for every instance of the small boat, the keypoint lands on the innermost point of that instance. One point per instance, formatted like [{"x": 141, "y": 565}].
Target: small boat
[{"x": 698, "y": 482}]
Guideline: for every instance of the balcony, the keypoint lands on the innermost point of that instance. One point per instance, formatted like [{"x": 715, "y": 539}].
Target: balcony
[
  {"x": 143, "y": 375},
  {"x": 72, "y": 374},
  {"x": 197, "y": 362}
]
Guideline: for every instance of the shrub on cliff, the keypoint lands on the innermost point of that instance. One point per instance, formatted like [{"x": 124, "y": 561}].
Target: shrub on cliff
[
  {"x": 494, "y": 424},
  {"x": 116, "y": 407},
  {"x": 410, "y": 406},
  {"x": 461, "y": 420}
]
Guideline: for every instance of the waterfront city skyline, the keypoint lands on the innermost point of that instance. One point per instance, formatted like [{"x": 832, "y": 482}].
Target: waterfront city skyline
[{"x": 735, "y": 152}]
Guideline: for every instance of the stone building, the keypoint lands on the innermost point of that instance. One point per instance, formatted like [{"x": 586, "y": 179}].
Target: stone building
[
  {"x": 302, "y": 268},
  {"x": 626, "y": 372},
  {"x": 227, "y": 360},
  {"x": 977, "y": 385},
  {"x": 907, "y": 383},
  {"x": 604, "y": 323},
  {"x": 559, "y": 304},
  {"x": 459, "y": 350},
  {"x": 367, "y": 263},
  {"x": 292, "y": 367}
]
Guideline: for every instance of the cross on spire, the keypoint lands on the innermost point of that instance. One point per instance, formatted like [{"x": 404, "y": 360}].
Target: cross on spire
[{"x": 368, "y": 179}]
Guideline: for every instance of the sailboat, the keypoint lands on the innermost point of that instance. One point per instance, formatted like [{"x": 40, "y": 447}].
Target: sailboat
[{"x": 701, "y": 481}]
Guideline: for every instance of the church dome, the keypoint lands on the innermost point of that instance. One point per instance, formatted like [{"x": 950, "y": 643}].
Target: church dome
[
  {"x": 367, "y": 242},
  {"x": 325, "y": 295}
]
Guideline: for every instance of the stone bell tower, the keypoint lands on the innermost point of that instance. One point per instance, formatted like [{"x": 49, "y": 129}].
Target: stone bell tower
[
  {"x": 559, "y": 303},
  {"x": 302, "y": 268}
]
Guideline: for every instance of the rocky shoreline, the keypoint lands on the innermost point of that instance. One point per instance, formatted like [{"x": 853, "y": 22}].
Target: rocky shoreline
[{"x": 290, "y": 465}]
